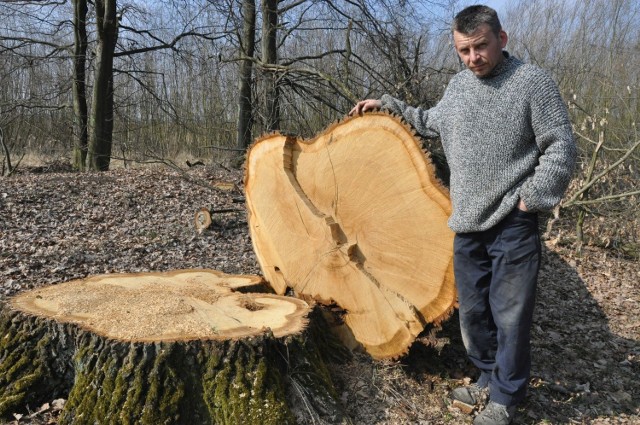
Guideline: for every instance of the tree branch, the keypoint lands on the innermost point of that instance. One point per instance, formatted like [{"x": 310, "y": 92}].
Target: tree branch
[
  {"x": 163, "y": 44},
  {"x": 607, "y": 198},
  {"x": 587, "y": 185}
]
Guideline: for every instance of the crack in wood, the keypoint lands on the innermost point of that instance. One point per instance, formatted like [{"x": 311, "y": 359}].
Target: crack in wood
[{"x": 353, "y": 253}]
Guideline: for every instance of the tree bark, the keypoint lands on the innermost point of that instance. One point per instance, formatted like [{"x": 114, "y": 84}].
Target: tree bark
[
  {"x": 247, "y": 47},
  {"x": 7, "y": 155},
  {"x": 99, "y": 155},
  {"x": 80, "y": 131},
  {"x": 184, "y": 347},
  {"x": 269, "y": 57},
  {"x": 357, "y": 217}
]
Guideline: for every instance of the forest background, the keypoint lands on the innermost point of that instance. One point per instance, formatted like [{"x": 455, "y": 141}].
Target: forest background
[{"x": 117, "y": 83}]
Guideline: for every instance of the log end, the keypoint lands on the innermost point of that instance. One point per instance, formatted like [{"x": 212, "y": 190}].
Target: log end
[{"x": 359, "y": 220}]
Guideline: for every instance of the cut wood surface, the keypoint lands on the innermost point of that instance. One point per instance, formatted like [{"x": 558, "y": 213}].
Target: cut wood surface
[
  {"x": 182, "y": 304},
  {"x": 183, "y": 347},
  {"x": 202, "y": 219},
  {"x": 355, "y": 217}
]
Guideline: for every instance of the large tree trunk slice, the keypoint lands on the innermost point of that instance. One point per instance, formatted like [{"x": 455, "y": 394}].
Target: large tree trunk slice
[
  {"x": 357, "y": 217},
  {"x": 178, "y": 347}
]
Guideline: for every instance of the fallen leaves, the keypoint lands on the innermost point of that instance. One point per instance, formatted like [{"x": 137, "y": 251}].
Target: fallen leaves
[
  {"x": 46, "y": 414},
  {"x": 56, "y": 227}
]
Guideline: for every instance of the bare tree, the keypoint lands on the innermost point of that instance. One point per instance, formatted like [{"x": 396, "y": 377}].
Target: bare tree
[
  {"x": 33, "y": 106},
  {"x": 270, "y": 57},
  {"x": 100, "y": 142},
  {"x": 301, "y": 84},
  {"x": 80, "y": 109},
  {"x": 7, "y": 155},
  {"x": 247, "y": 48}
]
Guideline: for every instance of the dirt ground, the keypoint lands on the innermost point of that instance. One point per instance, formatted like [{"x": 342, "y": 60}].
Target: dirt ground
[{"x": 56, "y": 226}]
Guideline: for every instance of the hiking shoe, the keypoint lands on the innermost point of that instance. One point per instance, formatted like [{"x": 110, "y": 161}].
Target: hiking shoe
[
  {"x": 495, "y": 414},
  {"x": 471, "y": 394}
]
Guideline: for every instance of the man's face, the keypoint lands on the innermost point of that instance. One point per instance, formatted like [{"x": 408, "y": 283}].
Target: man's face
[{"x": 480, "y": 51}]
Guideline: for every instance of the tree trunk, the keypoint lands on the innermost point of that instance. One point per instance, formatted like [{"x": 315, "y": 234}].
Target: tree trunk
[
  {"x": 247, "y": 48},
  {"x": 102, "y": 112},
  {"x": 270, "y": 56},
  {"x": 80, "y": 131},
  {"x": 7, "y": 155},
  {"x": 583, "y": 211},
  {"x": 184, "y": 347},
  {"x": 357, "y": 217}
]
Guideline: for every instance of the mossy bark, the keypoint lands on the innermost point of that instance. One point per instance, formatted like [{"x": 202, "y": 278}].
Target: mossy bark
[
  {"x": 33, "y": 362},
  {"x": 255, "y": 380}
]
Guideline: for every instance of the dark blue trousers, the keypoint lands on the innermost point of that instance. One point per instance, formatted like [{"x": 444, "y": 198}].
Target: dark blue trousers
[{"x": 496, "y": 275}]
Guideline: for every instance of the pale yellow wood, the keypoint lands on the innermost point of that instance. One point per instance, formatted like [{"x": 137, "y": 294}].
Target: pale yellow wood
[
  {"x": 178, "y": 305},
  {"x": 356, "y": 217}
]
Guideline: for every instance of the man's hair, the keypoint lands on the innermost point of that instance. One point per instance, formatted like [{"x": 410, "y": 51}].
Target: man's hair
[{"x": 470, "y": 18}]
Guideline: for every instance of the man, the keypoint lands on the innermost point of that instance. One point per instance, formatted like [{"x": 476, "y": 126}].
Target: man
[{"x": 510, "y": 148}]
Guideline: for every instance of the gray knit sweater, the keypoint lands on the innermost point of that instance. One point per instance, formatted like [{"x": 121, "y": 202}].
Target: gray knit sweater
[{"x": 506, "y": 136}]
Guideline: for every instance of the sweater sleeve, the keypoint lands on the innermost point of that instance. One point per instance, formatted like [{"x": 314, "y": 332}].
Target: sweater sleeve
[
  {"x": 544, "y": 189},
  {"x": 424, "y": 121}
]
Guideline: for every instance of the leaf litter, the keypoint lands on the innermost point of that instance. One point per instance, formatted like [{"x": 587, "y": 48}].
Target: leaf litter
[{"x": 59, "y": 226}]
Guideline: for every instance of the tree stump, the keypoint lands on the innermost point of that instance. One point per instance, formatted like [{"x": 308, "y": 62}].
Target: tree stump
[
  {"x": 182, "y": 347},
  {"x": 355, "y": 217}
]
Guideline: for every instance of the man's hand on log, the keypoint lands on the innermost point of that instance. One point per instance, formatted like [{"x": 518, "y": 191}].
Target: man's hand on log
[{"x": 365, "y": 105}]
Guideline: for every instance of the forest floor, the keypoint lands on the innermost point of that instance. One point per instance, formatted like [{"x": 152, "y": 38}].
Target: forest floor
[{"x": 56, "y": 225}]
